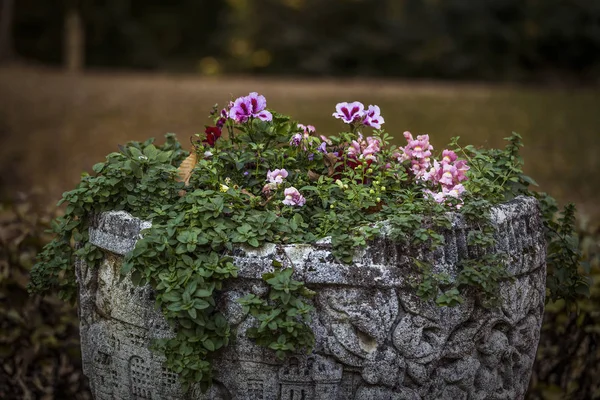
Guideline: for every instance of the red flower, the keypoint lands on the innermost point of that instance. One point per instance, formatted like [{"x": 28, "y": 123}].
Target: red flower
[{"x": 212, "y": 134}]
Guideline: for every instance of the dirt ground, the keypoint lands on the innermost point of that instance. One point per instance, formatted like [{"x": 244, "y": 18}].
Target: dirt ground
[{"x": 53, "y": 126}]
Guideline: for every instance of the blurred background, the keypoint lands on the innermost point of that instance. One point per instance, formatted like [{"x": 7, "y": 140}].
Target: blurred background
[{"x": 77, "y": 78}]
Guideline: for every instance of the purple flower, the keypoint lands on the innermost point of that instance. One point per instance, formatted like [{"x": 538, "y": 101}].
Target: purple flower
[
  {"x": 296, "y": 139},
  {"x": 277, "y": 176},
  {"x": 293, "y": 197},
  {"x": 221, "y": 122},
  {"x": 373, "y": 117},
  {"x": 311, "y": 156},
  {"x": 349, "y": 112},
  {"x": 252, "y": 105},
  {"x": 322, "y": 148},
  {"x": 246, "y": 173}
]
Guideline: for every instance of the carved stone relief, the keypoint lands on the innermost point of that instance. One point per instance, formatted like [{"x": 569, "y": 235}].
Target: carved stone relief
[{"x": 375, "y": 339}]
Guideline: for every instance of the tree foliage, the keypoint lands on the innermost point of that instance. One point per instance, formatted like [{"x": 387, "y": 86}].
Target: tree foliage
[{"x": 493, "y": 39}]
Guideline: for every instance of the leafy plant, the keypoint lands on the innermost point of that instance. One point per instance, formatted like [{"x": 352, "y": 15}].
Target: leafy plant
[{"x": 273, "y": 180}]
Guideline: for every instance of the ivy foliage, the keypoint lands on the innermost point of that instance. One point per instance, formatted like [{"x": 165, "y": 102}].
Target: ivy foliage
[{"x": 185, "y": 255}]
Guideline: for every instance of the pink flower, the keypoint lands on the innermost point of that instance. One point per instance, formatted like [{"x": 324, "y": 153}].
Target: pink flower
[
  {"x": 252, "y": 105},
  {"x": 419, "y": 152},
  {"x": 277, "y": 176},
  {"x": 373, "y": 117},
  {"x": 448, "y": 174},
  {"x": 420, "y": 148},
  {"x": 462, "y": 168},
  {"x": 438, "y": 197},
  {"x": 455, "y": 191},
  {"x": 354, "y": 149},
  {"x": 326, "y": 140},
  {"x": 373, "y": 146},
  {"x": 448, "y": 156},
  {"x": 364, "y": 149},
  {"x": 307, "y": 129},
  {"x": 349, "y": 112},
  {"x": 293, "y": 197}
]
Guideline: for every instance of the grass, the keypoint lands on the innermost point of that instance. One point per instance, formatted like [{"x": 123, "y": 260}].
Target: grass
[{"x": 53, "y": 125}]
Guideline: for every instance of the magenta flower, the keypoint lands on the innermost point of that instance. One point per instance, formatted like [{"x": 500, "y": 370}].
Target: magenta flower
[
  {"x": 373, "y": 117},
  {"x": 277, "y": 176},
  {"x": 241, "y": 110},
  {"x": 252, "y": 105},
  {"x": 293, "y": 197},
  {"x": 349, "y": 112}
]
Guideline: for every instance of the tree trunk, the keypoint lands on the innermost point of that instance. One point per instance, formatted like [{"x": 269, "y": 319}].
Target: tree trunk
[
  {"x": 74, "y": 41},
  {"x": 6, "y": 21}
]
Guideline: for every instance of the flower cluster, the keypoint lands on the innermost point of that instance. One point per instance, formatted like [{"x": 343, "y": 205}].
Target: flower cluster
[
  {"x": 444, "y": 176},
  {"x": 436, "y": 179},
  {"x": 352, "y": 113},
  {"x": 418, "y": 151},
  {"x": 448, "y": 174}
]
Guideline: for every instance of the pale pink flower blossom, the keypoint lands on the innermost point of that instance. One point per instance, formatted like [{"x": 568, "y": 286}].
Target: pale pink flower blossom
[
  {"x": 293, "y": 197},
  {"x": 277, "y": 176}
]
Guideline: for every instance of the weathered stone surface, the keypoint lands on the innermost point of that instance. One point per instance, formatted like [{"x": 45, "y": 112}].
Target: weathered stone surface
[{"x": 375, "y": 340}]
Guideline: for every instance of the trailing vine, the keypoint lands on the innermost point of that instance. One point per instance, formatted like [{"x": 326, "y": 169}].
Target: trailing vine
[{"x": 347, "y": 187}]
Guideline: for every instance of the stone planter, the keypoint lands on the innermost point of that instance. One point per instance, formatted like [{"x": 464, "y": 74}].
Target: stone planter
[{"x": 374, "y": 338}]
